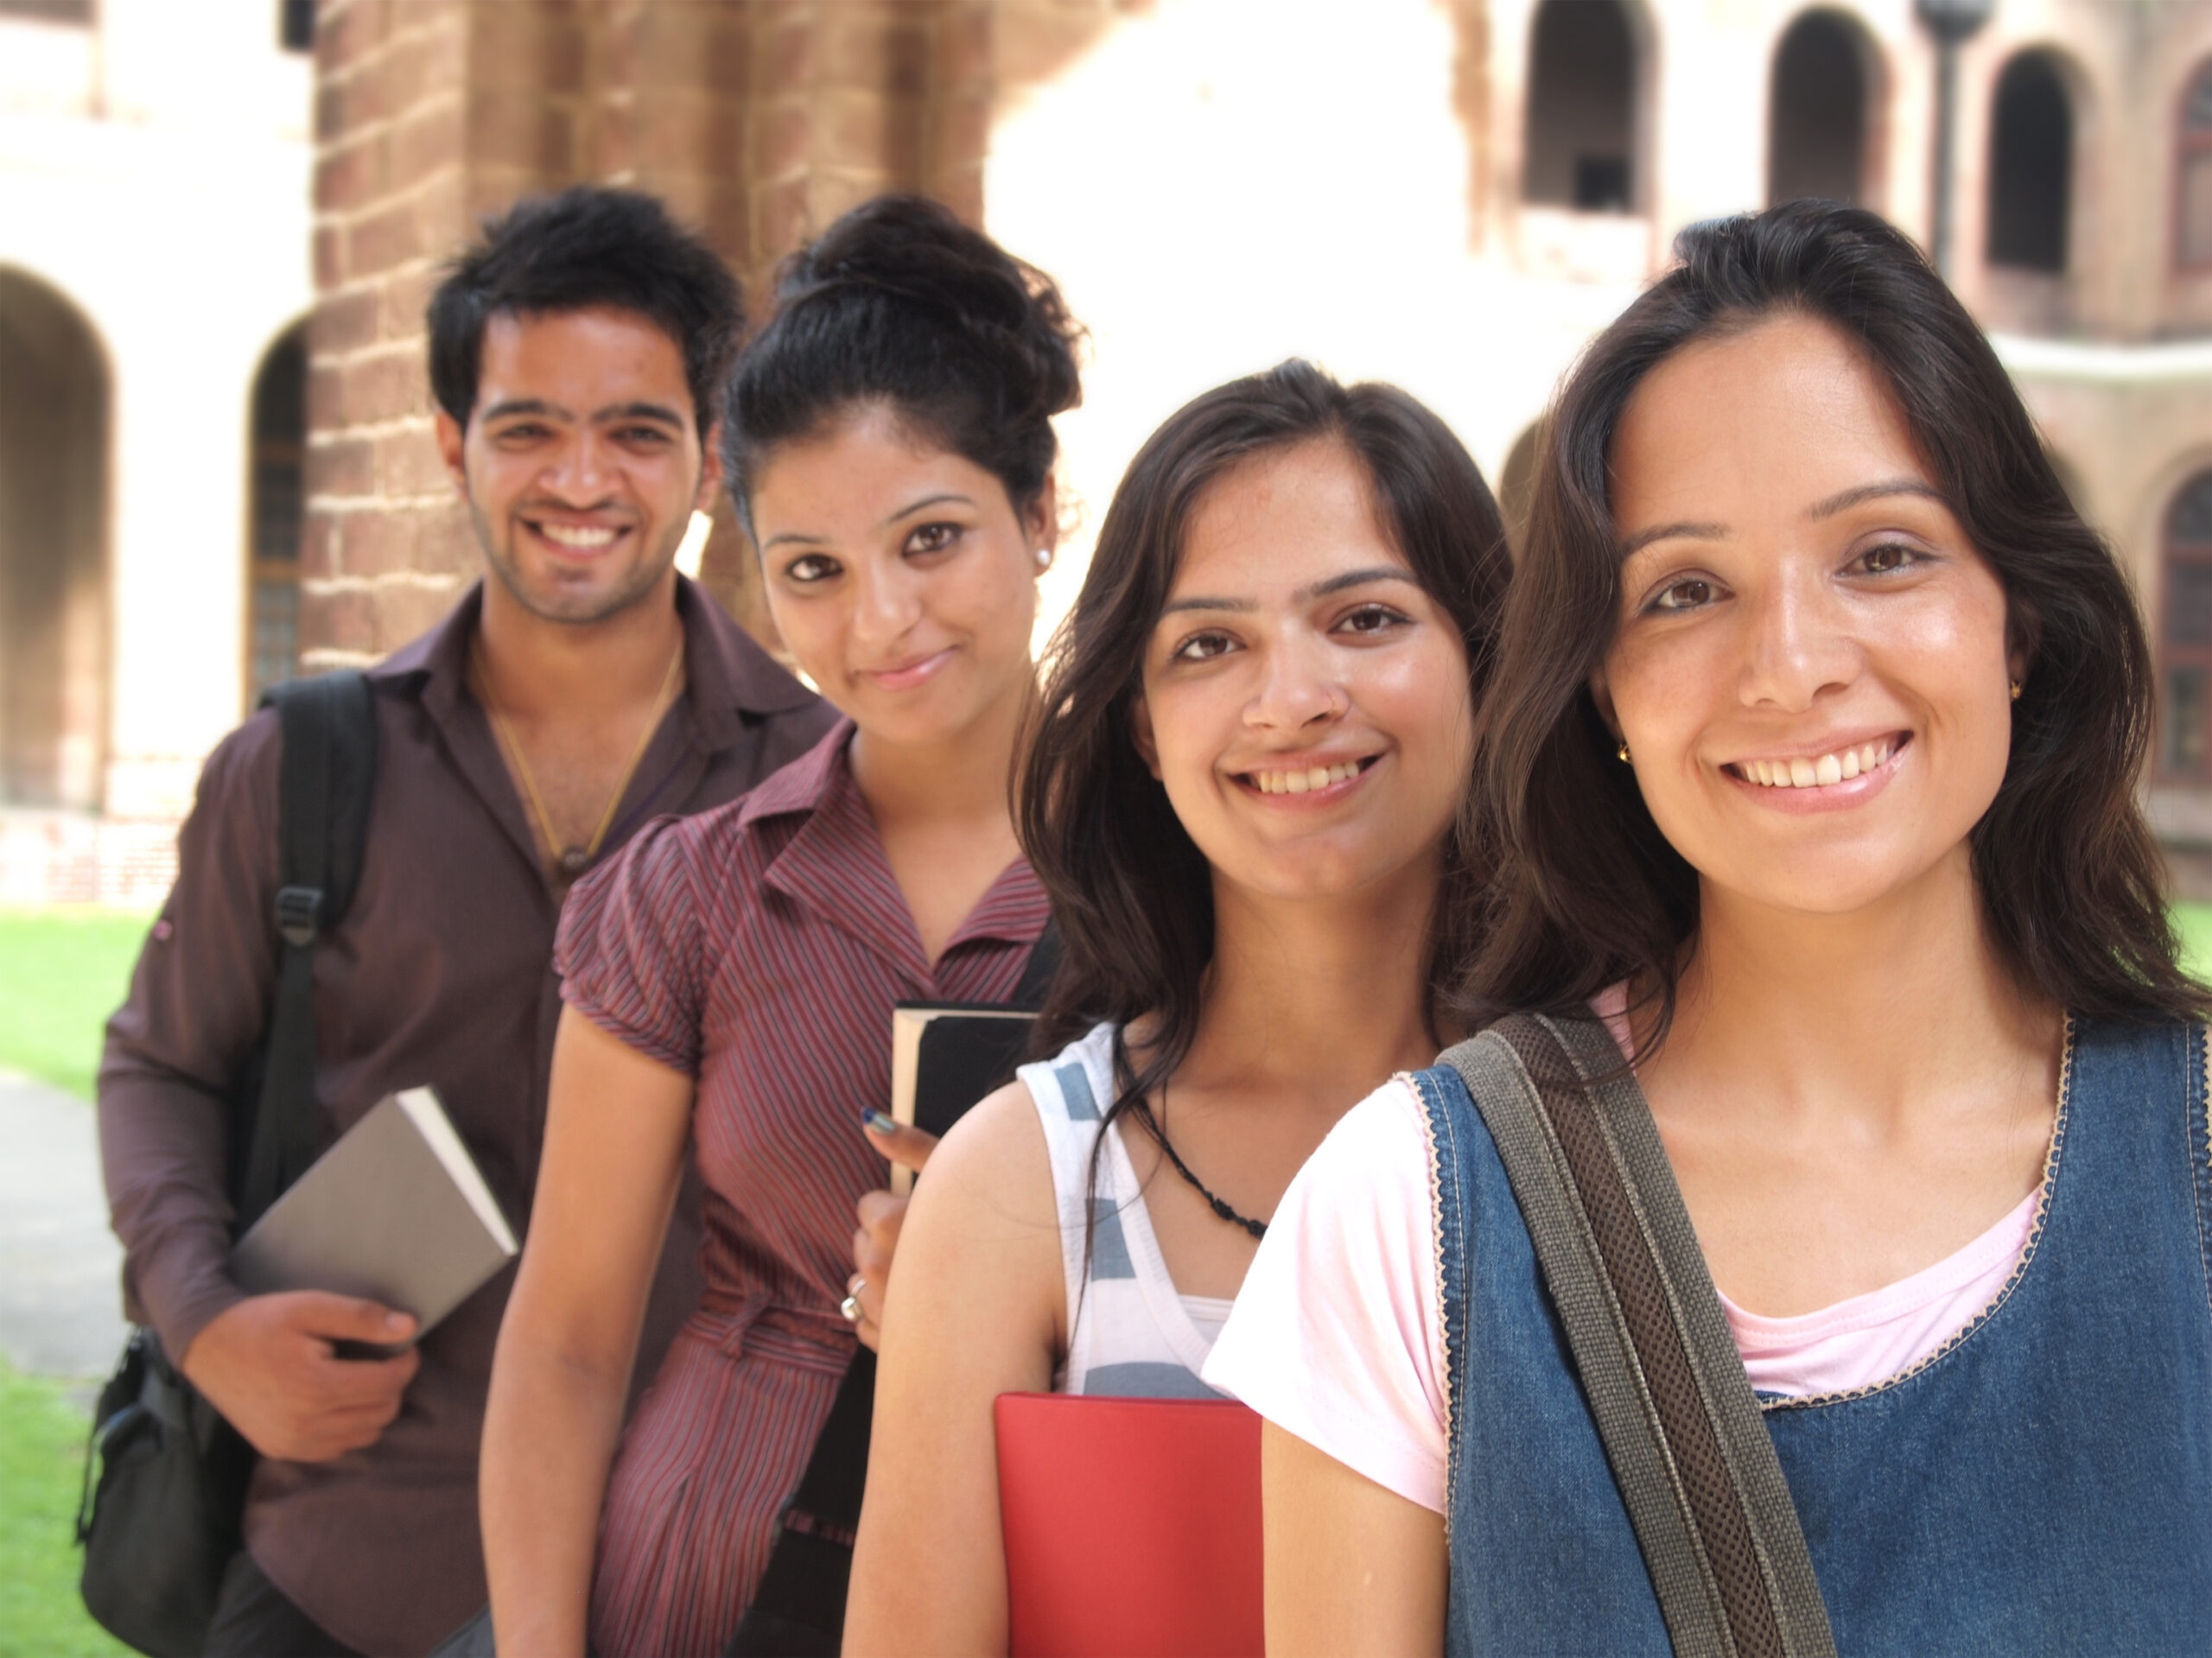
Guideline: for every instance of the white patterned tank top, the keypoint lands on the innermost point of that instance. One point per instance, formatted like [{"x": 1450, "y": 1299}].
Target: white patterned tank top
[{"x": 1129, "y": 1333}]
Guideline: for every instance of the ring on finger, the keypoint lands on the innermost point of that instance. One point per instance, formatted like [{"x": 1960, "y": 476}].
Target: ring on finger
[{"x": 850, "y": 1307}]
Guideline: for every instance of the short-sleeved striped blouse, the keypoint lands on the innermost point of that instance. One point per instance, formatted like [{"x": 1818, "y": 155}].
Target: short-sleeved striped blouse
[{"x": 758, "y": 948}]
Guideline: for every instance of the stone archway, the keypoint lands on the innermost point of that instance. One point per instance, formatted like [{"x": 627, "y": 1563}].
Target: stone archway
[
  {"x": 54, "y": 550},
  {"x": 275, "y": 505},
  {"x": 1822, "y": 99},
  {"x": 1580, "y": 148},
  {"x": 2032, "y": 134}
]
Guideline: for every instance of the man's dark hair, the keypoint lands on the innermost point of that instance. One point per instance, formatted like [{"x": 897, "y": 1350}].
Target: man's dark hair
[
  {"x": 586, "y": 246},
  {"x": 1590, "y": 891}
]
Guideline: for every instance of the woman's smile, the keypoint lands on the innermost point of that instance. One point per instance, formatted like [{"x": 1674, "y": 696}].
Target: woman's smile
[
  {"x": 1306, "y": 782},
  {"x": 909, "y": 673},
  {"x": 1833, "y": 777}
]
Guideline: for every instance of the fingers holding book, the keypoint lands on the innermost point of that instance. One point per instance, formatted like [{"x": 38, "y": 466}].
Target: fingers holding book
[{"x": 274, "y": 1366}]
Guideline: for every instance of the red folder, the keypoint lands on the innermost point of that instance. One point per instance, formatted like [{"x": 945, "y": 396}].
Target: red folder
[{"x": 1131, "y": 1527}]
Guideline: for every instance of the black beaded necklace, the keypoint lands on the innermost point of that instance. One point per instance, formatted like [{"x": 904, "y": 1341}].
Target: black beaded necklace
[{"x": 1257, "y": 1228}]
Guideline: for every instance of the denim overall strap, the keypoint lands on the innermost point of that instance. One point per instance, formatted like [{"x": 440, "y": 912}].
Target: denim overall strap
[{"x": 1658, "y": 1365}]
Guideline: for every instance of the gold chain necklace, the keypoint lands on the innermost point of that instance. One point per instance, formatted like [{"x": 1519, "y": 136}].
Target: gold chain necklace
[{"x": 571, "y": 861}]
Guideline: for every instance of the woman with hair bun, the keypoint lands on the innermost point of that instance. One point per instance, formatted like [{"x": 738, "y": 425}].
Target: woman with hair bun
[
  {"x": 887, "y": 439},
  {"x": 1812, "y": 764},
  {"x": 1243, "y": 793}
]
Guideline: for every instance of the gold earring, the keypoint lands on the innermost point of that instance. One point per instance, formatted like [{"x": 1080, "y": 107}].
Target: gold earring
[
  {"x": 2016, "y": 690},
  {"x": 1622, "y": 751}
]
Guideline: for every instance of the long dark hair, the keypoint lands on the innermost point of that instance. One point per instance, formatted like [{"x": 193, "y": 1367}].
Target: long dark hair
[
  {"x": 1590, "y": 891},
  {"x": 900, "y": 303},
  {"x": 1131, "y": 891}
]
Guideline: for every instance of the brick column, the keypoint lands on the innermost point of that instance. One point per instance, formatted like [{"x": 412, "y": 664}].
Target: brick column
[{"x": 759, "y": 121}]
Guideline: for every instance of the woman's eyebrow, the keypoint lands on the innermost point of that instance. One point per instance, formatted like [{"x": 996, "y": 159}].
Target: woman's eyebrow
[
  {"x": 926, "y": 502},
  {"x": 1358, "y": 578},
  {"x": 1685, "y": 530},
  {"x": 1844, "y": 500},
  {"x": 1318, "y": 590}
]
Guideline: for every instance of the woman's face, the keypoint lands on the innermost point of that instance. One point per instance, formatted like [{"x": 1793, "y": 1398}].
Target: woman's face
[
  {"x": 900, "y": 577},
  {"x": 1304, "y": 702},
  {"x": 1812, "y": 663}
]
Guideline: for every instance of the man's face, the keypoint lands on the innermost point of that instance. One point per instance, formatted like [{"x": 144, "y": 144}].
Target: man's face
[{"x": 581, "y": 463}]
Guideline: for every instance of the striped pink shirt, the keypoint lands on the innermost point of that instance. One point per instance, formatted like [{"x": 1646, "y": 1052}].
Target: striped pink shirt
[{"x": 758, "y": 948}]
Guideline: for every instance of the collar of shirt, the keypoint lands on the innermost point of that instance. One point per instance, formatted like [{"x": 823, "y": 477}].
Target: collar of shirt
[
  {"x": 729, "y": 680},
  {"x": 833, "y": 864},
  {"x": 727, "y": 674}
]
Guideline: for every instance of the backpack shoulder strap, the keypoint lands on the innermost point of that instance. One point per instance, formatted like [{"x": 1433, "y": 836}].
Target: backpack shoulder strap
[
  {"x": 1680, "y": 1425},
  {"x": 326, "y": 780}
]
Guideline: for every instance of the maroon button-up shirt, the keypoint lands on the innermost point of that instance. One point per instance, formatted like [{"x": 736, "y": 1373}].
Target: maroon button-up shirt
[
  {"x": 759, "y": 949},
  {"x": 440, "y": 973}
]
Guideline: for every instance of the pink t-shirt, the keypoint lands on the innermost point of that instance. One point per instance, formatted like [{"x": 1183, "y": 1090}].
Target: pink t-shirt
[{"x": 1338, "y": 1335}]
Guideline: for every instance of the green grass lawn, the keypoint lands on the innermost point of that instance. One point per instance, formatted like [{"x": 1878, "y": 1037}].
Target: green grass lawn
[
  {"x": 62, "y": 972},
  {"x": 41, "y": 1459},
  {"x": 2194, "y": 923}
]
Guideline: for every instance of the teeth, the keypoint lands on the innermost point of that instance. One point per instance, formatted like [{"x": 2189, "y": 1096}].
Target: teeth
[
  {"x": 1839, "y": 767},
  {"x": 1303, "y": 782},
  {"x": 578, "y": 535}
]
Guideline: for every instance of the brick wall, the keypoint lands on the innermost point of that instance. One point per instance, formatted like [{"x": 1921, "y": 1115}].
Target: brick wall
[{"x": 757, "y": 120}]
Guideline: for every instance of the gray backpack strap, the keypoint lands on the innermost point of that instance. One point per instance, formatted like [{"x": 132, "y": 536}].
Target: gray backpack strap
[{"x": 1680, "y": 1423}]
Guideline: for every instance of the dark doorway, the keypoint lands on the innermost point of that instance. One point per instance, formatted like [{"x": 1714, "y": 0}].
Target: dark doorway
[
  {"x": 2030, "y": 165},
  {"x": 54, "y": 612},
  {"x": 275, "y": 512},
  {"x": 2185, "y": 635},
  {"x": 2193, "y": 168},
  {"x": 1580, "y": 139},
  {"x": 1817, "y": 115}
]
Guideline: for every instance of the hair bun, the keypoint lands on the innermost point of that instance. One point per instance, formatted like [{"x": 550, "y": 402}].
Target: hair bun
[
  {"x": 899, "y": 302},
  {"x": 908, "y": 251}
]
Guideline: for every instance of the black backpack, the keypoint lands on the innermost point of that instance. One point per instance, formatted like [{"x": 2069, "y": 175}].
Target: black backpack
[{"x": 165, "y": 1476}]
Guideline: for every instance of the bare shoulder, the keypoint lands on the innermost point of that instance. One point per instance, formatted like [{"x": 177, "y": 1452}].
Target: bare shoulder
[{"x": 991, "y": 1168}]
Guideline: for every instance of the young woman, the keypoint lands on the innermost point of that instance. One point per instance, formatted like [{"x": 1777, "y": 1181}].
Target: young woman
[
  {"x": 888, "y": 440},
  {"x": 1812, "y": 761},
  {"x": 1243, "y": 793}
]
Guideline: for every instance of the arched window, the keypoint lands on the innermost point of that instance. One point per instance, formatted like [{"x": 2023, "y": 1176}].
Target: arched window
[
  {"x": 1580, "y": 138},
  {"x": 276, "y": 511},
  {"x": 2185, "y": 635},
  {"x": 2193, "y": 232},
  {"x": 54, "y": 611},
  {"x": 2030, "y": 165},
  {"x": 1817, "y": 112}
]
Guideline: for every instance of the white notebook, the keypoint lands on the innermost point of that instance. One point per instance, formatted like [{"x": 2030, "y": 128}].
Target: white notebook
[{"x": 396, "y": 1212}]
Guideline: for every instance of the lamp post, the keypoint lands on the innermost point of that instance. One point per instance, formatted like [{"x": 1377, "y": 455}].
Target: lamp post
[{"x": 1952, "y": 23}]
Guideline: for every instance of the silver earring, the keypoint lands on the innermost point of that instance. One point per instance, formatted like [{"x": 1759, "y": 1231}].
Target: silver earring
[{"x": 1044, "y": 558}]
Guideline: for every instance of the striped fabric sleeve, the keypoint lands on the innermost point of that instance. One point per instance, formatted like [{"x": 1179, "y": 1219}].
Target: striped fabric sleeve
[{"x": 631, "y": 954}]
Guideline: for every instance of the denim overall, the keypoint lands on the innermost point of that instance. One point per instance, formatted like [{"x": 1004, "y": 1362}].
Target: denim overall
[{"x": 2041, "y": 1484}]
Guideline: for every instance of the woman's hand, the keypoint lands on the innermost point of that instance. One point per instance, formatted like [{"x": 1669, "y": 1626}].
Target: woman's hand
[{"x": 875, "y": 1240}]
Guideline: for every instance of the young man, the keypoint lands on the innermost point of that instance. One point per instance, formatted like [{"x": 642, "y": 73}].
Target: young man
[{"x": 583, "y": 689}]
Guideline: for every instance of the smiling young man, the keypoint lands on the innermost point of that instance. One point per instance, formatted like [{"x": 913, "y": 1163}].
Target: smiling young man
[{"x": 581, "y": 688}]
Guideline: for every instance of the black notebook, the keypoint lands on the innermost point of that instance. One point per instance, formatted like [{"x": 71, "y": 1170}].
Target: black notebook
[{"x": 947, "y": 1055}]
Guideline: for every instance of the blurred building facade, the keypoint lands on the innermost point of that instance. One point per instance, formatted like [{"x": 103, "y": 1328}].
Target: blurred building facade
[
  {"x": 1452, "y": 194},
  {"x": 156, "y": 161}
]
